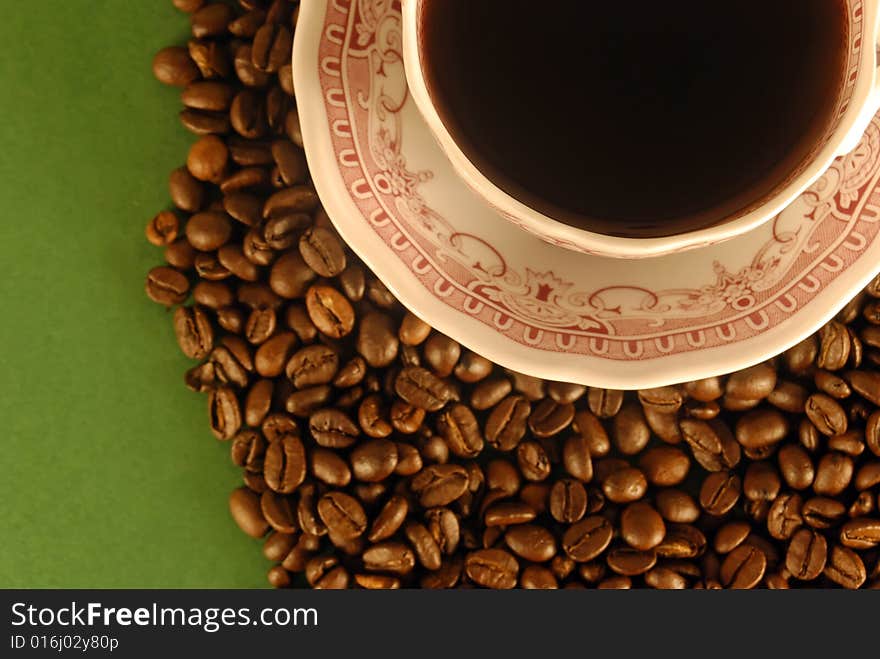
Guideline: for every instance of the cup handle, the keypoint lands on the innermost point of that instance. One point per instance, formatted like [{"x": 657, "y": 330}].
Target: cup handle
[{"x": 872, "y": 104}]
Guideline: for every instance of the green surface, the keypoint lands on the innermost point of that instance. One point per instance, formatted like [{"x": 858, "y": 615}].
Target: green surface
[{"x": 110, "y": 476}]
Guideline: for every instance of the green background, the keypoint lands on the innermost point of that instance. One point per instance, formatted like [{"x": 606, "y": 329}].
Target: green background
[{"x": 110, "y": 476}]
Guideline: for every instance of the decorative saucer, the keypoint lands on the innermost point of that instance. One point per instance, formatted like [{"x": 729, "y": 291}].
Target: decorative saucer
[{"x": 542, "y": 309}]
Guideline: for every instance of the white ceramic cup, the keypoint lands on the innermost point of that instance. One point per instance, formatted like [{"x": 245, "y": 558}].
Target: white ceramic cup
[{"x": 858, "y": 103}]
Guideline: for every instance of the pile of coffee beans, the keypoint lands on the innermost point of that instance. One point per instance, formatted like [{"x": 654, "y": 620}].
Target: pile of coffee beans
[{"x": 378, "y": 453}]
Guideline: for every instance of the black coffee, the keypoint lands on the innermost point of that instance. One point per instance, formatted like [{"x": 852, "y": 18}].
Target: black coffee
[{"x": 637, "y": 118}]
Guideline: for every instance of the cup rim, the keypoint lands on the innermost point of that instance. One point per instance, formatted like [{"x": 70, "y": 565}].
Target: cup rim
[{"x": 583, "y": 240}]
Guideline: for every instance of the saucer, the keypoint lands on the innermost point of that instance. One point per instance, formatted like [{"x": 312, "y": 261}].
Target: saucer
[{"x": 543, "y": 309}]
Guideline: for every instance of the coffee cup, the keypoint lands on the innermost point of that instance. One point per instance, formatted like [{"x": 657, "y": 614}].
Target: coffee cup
[{"x": 638, "y": 129}]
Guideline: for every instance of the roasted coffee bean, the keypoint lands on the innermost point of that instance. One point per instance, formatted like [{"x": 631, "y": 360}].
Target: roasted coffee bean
[
  {"x": 180, "y": 254},
  {"x": 374, "y": 460},
  {"x": 233, "y": 259},
  {"x": 631, "y": 431},
  {"x": 444, "y": 528},
  {"x": 425, "y": 547},
  {"x": 332, "y": 428},
  {"x": 720, "y": 492},
  {"x": 315, "y": 364},
  {"x": 278, "y": 512},
  {"x": 831, "y": 384},
  {"x": 490, "y": 392},
  {"x": 807, "y": 554},
  {"x": 162, "y": 229},
  {"x": 459, "y": 429},
  {"x": 604, "y": 403},
  {"x": 761, "y": 482},
  {"x": 200, "y": 122},
  {"x": 534, "y": 464},
  {"x": 667, "y": 400},
  {"x": 173, "y": 66},
  {"x": 271, "y": 47},
  {"x": 861, "y": 533},
  {"x": 822, "y": 512},
  {"x": 211, "y": 57},
  {"x": 472, "y": 367},
  {"x": 531, "y": 542},
  {"x": 676, "y": 506},
  {"x": 712, "y": 449},
  {"x": 866, "y": 384},
  {"x": 631, "y": 562},
  {"x": 761, "y": 429},
  {"x": 207, "y": 161},
  {"x": 800, "y": 358},
  {"x": 868, "y": 476},
  {"x": 845, "y": 568},
  {"x": 796, "y": 466},
  {"x": 343, "y": 515},
  {"x": 213, "y": 294},
  {"x": 248, "y": 449},
  {"x": 664, "y": 425},
  {"x": 785, "y": 516},
  {"x": 593, "y": 432},
  {"x": 641, "y": 526},
  {"x": 211, "y": 20},
  {"x": 506, "y": 424},
  {"x": 625, "y": 485},
  {"x": 441, "y": 354},
  {"x": 833, "y": 474},
  {"x": 244, "y": 207},
  {"x": 587, "y": 539},
  {"x": 273, "y": 355},
  {"x": 535, "y": 577},
  {"x": 244, "y": 506},
  {"x": 730, "y": 536},
  {"x": 195, "y": 335},
  {"x": 224, "y": 412},
  {"x": 492, "y": 568},
  {"x": 389, "y": 519},
  {"x": 744, "y": 567},
  {"x": 406, "y": 418},
  {"x": 330, "y": 311},
  {"x": 753, "y": 383},
  {"x": 682, "y": 541},
  {"x": 377, "y": 341},
  {"x": 291, "y": 162},
  {"x": 328, "y": 467},
  {"x": 322, "y": 251},
  {"x": 208, "y": 95},
  {"x": 413, "y": 331},
  {"x": 439, "y": 485},
  {"x": 421, "y": 388},
  {"x": 353, "y": 282},
  {"x": 788, "y": 396},
  {"x": 290, "y": 277},
  {"x": 394, "y": 557},
  {"x": 549, "y": 418},
  {"x": 166, "y": 286},
  {"x": 826, "y": 414},
  {"x": 284, "y": 465},
  {"x": 834, "y": 346},
  {"x": 568, "y": 501},
  {"x": 850, "y": 443},
  {"x": 260, "y": 325},
  {"x": 664, "y": 465},
  {"x": 372, "y": 417}
]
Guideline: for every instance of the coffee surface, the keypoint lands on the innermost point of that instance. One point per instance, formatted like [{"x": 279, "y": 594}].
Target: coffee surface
[{"x": 637, "y": 118}]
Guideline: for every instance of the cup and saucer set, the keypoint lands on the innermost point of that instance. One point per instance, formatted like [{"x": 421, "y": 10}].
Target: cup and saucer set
[{"x": 551, "y": 300}]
